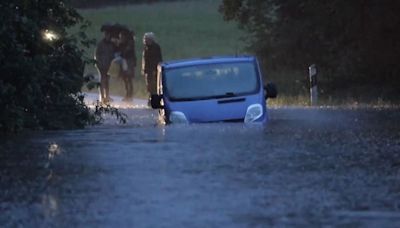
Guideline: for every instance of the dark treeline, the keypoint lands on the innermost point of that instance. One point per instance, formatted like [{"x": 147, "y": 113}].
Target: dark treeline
[
  {"x": 355, "y": 43},
  {"x": 103, "y": 3}
]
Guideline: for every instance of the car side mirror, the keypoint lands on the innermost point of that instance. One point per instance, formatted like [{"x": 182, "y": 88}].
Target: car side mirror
[
  {"x": 270, "y": 91},
  {"x": 155, "y": 101}
]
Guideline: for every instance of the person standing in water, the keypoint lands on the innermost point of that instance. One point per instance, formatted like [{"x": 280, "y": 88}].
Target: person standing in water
[
  {"x": 150, "y": 59},
  {"x": 104, "y": 54},
  {"x": 126, "y": 49}
]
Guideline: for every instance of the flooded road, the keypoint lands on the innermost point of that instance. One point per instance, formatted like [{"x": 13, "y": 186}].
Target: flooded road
[{"x": 307, "y": 168}]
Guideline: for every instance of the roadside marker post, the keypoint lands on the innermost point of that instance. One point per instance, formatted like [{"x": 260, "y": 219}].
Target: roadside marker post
[{"x": 312, "y": 72}]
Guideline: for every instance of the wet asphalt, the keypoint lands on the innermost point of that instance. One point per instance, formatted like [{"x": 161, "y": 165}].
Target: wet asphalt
[{"x": 309, "y": 167}]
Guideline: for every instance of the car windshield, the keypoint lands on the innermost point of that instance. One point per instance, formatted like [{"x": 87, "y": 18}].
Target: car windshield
[{"x": 211, "y": 81}]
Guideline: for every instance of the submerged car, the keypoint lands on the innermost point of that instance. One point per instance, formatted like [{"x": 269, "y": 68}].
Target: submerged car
[{"x": 215, "y": 89}]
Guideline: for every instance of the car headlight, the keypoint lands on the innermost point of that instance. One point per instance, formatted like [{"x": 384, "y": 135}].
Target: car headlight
[
  {"x": 254, "y": 112},
  {"x": 178, "y": 117}
]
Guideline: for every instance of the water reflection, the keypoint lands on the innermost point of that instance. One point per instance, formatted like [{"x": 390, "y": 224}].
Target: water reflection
[
  {"x": 219, "y": 175},
  {"x": 54, "y": 149},
  {"x": 50, "y": 205}
]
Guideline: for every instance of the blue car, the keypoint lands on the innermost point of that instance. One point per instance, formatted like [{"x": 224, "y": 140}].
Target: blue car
[{"x": 215, "y": 89}]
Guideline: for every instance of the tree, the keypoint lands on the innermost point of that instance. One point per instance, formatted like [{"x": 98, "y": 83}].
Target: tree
[
  {"x": 352, "y": 41},
  {"x": 41, "y": 74}
]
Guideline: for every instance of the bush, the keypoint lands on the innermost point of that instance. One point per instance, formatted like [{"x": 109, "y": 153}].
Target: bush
[{"x": 41, "y": 78}]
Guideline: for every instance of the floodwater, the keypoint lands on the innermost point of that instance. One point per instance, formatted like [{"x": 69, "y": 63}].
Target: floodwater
[{"x": 310, "y": 167}]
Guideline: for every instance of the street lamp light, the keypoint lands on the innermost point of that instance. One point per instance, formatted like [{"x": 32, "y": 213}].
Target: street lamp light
[{"x": 49, "y": 35}]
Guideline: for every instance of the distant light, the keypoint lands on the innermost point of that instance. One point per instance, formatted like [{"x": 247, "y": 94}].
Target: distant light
[{"x": 50, "y": 35}]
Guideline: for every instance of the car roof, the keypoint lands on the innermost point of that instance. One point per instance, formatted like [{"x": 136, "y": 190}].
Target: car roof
[{"x": 206, "y": 60}]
